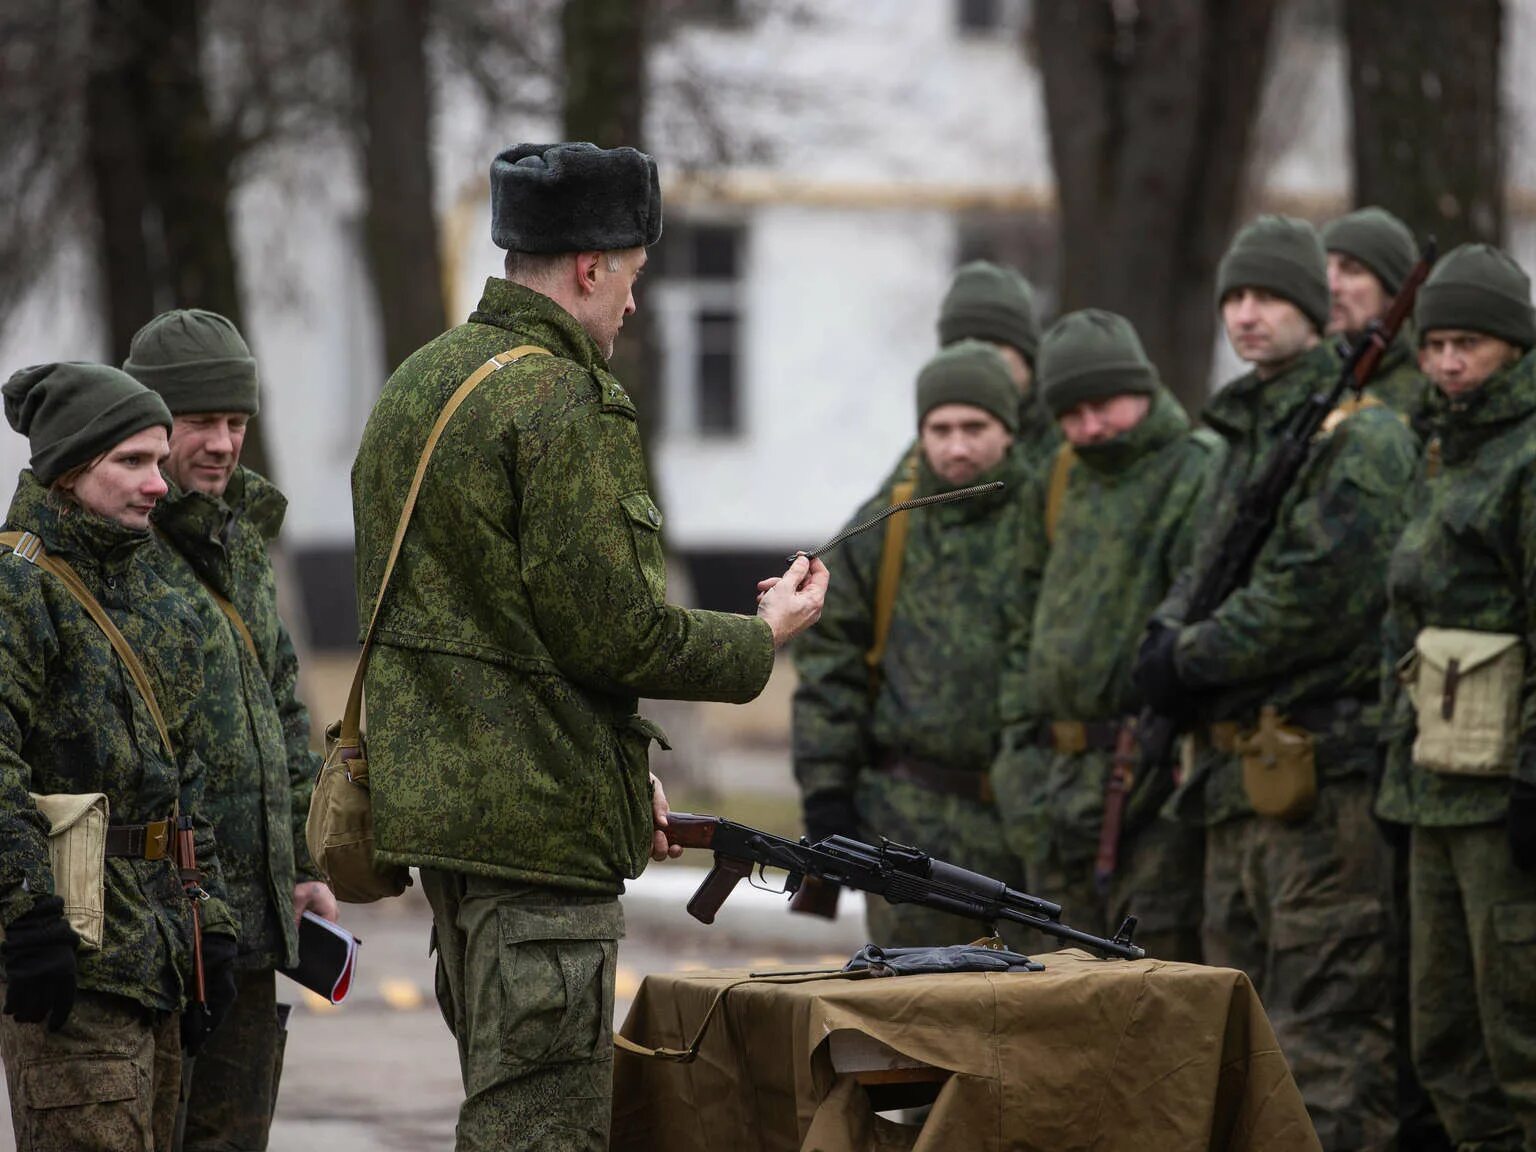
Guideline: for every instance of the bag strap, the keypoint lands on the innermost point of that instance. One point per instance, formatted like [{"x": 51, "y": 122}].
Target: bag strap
[
  {"x": 893, "y": 554},
  {"x": 1056, "y": 490},
  {"x": 29, "y": 548},
  {"x": 231, "y": 613},
  {"x": 351, "y": 719}
]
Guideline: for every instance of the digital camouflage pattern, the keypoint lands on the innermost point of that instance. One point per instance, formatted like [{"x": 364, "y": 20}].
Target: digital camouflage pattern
[
  {"x": 528, "y": 612},
  {"x": 1305, "y": 628},
  {"x": 937, "y": 694},
  {"x": 249, "y": 729},
  {"x": 1467, "y": 559},
  {"x": 1125, "y": 530},
  {"x": 71, "y": 721},
  {"x": 1397, "y": 381}
]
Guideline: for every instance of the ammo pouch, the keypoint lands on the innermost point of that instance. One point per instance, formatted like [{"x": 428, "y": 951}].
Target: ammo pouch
[
  {"x": 77, "y": 853},
  {"x": 1465, "y": 687},
  {"x": 1279, "y": 767}
]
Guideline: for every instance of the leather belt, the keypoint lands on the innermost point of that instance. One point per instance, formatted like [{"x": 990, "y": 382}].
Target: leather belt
[
  {"x": 1074, "y": 736},
  {"x": 150, "y": 841},
  {"x": 972, "y": 785}
]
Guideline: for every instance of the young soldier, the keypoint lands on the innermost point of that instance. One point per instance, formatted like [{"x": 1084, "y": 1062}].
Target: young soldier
[
  {"x": 1460, "y": 688},
  {"x": 893, "y": 733},
  {"x": 1106, "y": 527},
  {"x": 252, "y": 732},
  {"x": 1278, "y": 688}
]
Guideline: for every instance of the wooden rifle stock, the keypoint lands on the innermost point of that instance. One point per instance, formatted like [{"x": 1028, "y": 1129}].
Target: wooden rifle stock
[
  {"x": 1122, "y": 775},
  {"x": 192, "y": 885}
]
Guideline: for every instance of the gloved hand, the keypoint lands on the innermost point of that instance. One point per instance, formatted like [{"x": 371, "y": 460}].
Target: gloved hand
[
  {"x": 39, "y": 952},
  {"x": 1522, "y": 825},
  {"x": 1156, "y": 675},
  {"x": 199, "y": 1021},
  {"x": 830, "y": 812}
]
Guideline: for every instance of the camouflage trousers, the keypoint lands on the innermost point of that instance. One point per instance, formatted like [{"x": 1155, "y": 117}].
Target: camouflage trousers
[
  {"x": 525, "y": 980},
  {"x": 952, "y": 828},
  {"x": 1473, "y": 985},
  {"x": 1303, "y": 908},
  {"x": 107, "y": 1081},
  {"x": 235, "y": 1076},
  {"x": 1157, "y": 879}
]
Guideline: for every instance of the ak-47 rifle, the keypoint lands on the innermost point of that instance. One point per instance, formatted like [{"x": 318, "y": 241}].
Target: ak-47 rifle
[
  {"x": 900, "y": 874},
  {"x": 1257, "y": 509}
]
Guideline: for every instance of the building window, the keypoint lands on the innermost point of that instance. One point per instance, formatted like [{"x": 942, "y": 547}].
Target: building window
[{"x": 698, "y": 303}]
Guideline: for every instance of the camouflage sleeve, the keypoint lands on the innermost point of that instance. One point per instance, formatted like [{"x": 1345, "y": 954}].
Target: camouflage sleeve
[
  {"x": 596, "y": 578},
  {"x": 1015, "y": 706},
  {"x": 1525, "y": 565},
  {"x": 30, "y": 645},
  {"x": 303, "y": 761},
  {"x": 832, "y": 709},
  {"x": 1316, "y": 590}
]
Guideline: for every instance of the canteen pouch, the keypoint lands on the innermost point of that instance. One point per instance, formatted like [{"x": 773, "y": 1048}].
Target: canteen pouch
[
  {"x": 339, "y": 829},
  {"x": 77, "y": 853},
  {"x": 1279, "y": 768},
  {"x": 1465, "y": 687}
]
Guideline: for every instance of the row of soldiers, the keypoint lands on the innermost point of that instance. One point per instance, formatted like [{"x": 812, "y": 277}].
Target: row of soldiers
[{"x": 1354, "y": 818}]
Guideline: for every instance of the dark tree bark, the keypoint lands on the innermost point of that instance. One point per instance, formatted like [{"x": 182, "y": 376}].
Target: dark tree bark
[
  {"x": 391, "y": 69},
  {"x": 1428, "y": 142},
  {"x": 1151, "y": 109}
]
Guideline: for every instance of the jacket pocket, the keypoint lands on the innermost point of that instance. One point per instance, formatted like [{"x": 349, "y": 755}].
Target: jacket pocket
[
  {"x": 630, "y": 800},
  {"x": 556, "y": 968},
  {"x": 645, "y": 527}
]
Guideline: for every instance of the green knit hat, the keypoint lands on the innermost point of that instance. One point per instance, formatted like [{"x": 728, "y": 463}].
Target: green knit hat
[
  {"x": 71, "y": 413},
  {"x": 1377, "y": 239},
  {"x": 197, "y": 361},
  {"x": 1479, "y": 288},
  {"x": 1283, "y": 255},
  {"x": 989, "y": 302},
  {"x": 1092, "y": 355},
  {"x": 969, "y": 372}
]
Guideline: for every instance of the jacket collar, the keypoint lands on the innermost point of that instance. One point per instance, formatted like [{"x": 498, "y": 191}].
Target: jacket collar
[
  {"x": 537, "y": 320},
  {"x": 1249, "y": 404},
  {"x": 1165, "y": 421},
  {"x": 83, "y": 538},
  {"x": 1506, "y": 397}
]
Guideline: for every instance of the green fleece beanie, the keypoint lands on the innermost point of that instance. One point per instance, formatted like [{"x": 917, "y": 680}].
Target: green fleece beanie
[
  {"x": 969, "y": 372},
  {"x": 1377, "y": 239},
  {"x": 197, "y": 361},
  {"x": 71, "y": 413},
  {"x": 1283, "y": 255},
  {"x": 1092, "y": 355},
  {"x": 989, "y": 302},
  {"x": 1479, "y": 288}
]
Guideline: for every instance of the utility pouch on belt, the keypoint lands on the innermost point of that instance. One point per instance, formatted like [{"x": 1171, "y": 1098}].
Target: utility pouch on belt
[
  {"x": 77, "y": 853},
  {"x": 1465, "y": 688},
  {"x": 1279, "y": 767},
  {"x": 339, "y": 830}
]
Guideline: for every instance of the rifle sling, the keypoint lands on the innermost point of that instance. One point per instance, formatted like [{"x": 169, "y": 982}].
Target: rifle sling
[{"x": 893, "y": 553}]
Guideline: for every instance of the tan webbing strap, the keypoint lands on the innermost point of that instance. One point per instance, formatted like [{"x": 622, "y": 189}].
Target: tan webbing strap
[
  {"x": 231, "y": 613},
  {"x": 893, "y": 554},
  {"x": 1348, "y": 407},
  {"x": 28, "y": 547},
  {"x": 1056, "y": 490},
  {"x": 351, "y": 719}
]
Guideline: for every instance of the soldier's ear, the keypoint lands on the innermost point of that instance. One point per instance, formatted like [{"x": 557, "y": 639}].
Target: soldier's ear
[{"x": 586, "y": 269}]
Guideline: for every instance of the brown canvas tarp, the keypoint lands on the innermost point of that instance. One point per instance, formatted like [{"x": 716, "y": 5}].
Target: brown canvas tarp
[{"x": 1108, "y": 1055}]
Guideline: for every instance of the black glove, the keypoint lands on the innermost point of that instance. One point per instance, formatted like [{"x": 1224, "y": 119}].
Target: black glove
[
  {"x": 1156, "y": 676},
  {"x": 39, "y": 953},
  {"x": 198, "y": 1021},
  {"x": 830, "y": 812},
  {"x": 1522, "y": 825}
]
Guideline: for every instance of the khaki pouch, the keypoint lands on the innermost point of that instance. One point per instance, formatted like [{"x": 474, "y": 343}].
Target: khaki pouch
[
  {"x": 1465, "y": 687},
  {"x": 1279, "y": 767},
  {"x": 339, "y": 830},
  {"x": 77, "y": 852}
]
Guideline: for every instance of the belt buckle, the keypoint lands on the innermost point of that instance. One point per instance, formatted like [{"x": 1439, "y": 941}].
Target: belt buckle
[
  {"x": 156, "y": 839},
  {"x": 1069, "y": 736}
]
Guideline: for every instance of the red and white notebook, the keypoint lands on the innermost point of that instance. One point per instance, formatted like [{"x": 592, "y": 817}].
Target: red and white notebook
[{"x": 327, "y": 958}]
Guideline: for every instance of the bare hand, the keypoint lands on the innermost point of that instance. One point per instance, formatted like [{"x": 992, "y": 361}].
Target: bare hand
[
  {"x": 316, "y": 896},
  {"x": 660, "y": 849},
  {"x": 791, "y": 603}
]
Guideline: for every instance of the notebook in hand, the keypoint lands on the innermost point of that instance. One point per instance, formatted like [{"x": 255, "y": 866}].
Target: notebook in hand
[{"x": 327, "y": 958}]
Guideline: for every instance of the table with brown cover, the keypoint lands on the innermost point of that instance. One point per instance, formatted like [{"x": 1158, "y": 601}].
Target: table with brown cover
[{"x": 1144, "y": 1056}]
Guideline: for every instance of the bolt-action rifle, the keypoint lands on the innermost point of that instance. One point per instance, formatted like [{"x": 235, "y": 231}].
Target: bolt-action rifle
[
  {"x": 900, "y": 874},
  {"x": 1257, "y": 508}
]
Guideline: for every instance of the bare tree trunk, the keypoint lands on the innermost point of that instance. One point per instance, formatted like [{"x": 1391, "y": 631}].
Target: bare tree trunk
[
  {"x": 1151, "y": 110},
  {"x": 391, "y": 67},
  {"x": 1428, "y": 140}
]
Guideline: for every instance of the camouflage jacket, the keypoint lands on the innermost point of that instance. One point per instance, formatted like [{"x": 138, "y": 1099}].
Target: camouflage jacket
[
  {"x": 937, "y": 689},
  {"x": 528, "y": 611},
  {"x": 1467, "y": 559},
  {"x": 1398, "y": 383},
  {"x": 1304, "y": 631},
  {"x": 250, "y": 730},
  {"x": 1126, "y": 528},
  {"x": 71, "y": 721}
]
